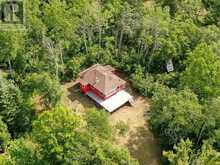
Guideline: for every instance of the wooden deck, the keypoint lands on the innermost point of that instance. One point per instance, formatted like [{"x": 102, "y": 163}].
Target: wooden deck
[{"x": 114, "y": 102}]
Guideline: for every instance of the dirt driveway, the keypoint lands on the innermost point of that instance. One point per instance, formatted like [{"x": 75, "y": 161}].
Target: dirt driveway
[{"x": 139, "y": 140}]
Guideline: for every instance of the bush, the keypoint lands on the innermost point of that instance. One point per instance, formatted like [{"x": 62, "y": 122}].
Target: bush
[
  {"x": 97, "y": 123},
  {"x": 122, "y": 128}
]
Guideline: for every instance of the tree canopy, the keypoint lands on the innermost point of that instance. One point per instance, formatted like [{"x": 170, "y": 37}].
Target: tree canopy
[
  {"x": 202, "y": 72},
  {"x": 142, "y": 39},
  {"x": 65, "y": 140}
]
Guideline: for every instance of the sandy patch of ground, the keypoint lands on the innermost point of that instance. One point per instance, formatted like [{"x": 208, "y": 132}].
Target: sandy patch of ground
[
  {"x": 74, "y": 99},
  {"x": 139, "y": 140}
]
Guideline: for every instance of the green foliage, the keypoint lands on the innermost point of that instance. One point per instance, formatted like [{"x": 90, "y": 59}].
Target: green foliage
[
  {"x": 213, "y": 7},
  {"x": 185, "y": 155},
  {"x": 146, "y": 84},
  {"x": 208, "y": 155},
  {"x": 65, "y": 140},
  {"x": 183, "y": 151},
  {"x": 58, "y": 128},
  {"x": 58, "y": 20},
  {"x": 168, "y": 79},
  {"x": 122, "y": 128},
  {"x": 45, "y": 86},
  {"x": 98, "y": 55},
  {"x": 4, "y": 136},
  {"x": 108, "y": 154},
  {"x": 97, "y": 123},
  {"x": 10, "y": 101},
  {"x": 176, "y": 115},
  {"x": 11, "y": 44},
  {"x": 73, "y": 67},
  {"x": 23, "y": 152},
  {"x": 202, "y": 73},
  {"x": 212, "y": 113},
  {"x": 183, "y": 8},
  {"x": 217, "y": 138},
  {"x": 62, "y": 37},
  {"x": 16, "y": 113},
  {"x": 172, "y": 4}
]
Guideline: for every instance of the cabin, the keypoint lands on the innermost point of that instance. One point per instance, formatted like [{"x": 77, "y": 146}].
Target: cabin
[{"x": 102, "y": 85}]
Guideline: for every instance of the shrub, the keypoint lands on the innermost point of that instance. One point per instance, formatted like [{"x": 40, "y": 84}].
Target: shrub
[{"x": 122, "y": 128}]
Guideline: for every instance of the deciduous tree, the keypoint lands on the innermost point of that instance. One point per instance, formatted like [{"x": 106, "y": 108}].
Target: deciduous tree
[
  {"x": 176, "y": 115},
  {"x": 45, "y": 86},
  {"x": 14, "y": 111},
  {"x": 185, "y": 154},
  {"x": 202, "y": 73}
]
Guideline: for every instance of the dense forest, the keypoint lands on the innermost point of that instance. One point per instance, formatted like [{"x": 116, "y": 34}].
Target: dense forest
[{"x": 63, "y": 37}]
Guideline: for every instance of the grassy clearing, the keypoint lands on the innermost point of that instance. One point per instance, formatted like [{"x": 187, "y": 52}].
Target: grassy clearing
[{"x": 138, "y": 138}]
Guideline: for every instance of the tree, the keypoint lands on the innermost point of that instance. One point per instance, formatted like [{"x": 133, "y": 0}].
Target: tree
[
  {"x": 186, "y": 8},
  {"x": 207, "y": 155},
  {"x": 92, "y": 23},
  {"x": 97, "y": 124},
  {"x": 176, "y": 115},
  {"x": 10, "y": 102},
  {"x": 34, "y": 57},
  {"x": 161, "y": 38},
  {"x": 4, "y": 136},
  {"x": 58, "y": 20},
  {"x": 61, "y": 27},
  {"x": 11, "y": 44},
  {"x": 127, "y": 25},
  {"x": 16, "y": 113},
  {"x": 23, "y": 152},
  {"x": 202, "y": 73},
  {"x": 67, "y": 141},
  {"x": 73, "y": 67},
  {"x": 191, "y": 10},
  {"x": 155, "y": 26},
  {"x": 217, "y": 138},
  {"x": 212, "y": 113},
  {"x": 213, "y": 7},
  {"x": 58, "y": 128},
  {"x": 183, "y": 151},
  {"x": 45, "y": 86},
  {"x": 172, "y": 4},
  {"x": 185, "y": 154}
]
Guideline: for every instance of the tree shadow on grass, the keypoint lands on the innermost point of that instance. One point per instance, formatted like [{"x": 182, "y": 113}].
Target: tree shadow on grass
[
  {"x": 144, "y": 147},
  {"x": 75, "y": 95}
]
